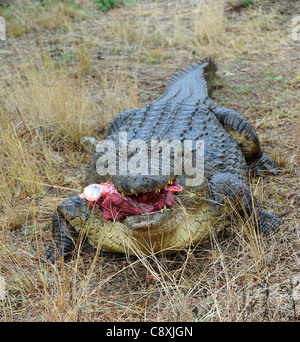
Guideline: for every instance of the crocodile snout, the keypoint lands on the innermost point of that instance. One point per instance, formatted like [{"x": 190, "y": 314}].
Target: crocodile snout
[{"x": 133, "y": 185}]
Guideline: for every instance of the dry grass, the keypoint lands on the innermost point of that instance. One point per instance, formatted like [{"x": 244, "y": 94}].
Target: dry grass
[{"x": 64, "y": 75}]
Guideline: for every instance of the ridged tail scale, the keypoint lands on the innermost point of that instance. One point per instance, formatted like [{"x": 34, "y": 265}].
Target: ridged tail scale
[{"x": 195, "y": 82}]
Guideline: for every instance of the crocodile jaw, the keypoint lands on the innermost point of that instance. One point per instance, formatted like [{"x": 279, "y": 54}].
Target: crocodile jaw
[
  {"x": 147, "y": 210},
  {"x": 148, "y": 221}
]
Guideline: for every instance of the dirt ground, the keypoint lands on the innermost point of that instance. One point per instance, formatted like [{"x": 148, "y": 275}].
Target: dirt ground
[{"x": 66, "y": 69}]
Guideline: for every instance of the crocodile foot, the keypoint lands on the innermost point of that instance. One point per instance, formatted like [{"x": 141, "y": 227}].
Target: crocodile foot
[{"x": 264, "y": 165}]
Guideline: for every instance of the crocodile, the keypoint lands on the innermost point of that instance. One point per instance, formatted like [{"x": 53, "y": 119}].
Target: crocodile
[{"x": 184, "y": 213}]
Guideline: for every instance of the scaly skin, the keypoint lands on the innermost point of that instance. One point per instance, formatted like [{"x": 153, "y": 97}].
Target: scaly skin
[{"x": 185, "y": 112}]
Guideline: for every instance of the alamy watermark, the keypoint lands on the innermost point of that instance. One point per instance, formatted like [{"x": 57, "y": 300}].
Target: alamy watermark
[
  {"x": 2, "y": 29},
  {"x": 296, "y": 29},
  {"x": 137, "y": 157},
  {"x": 2, "y": 288}
]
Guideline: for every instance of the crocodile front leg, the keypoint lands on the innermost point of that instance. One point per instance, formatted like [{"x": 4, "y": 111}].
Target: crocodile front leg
[
  {"x": 73, "y": 209},
  {"x": 264, "y": 165},
  {"x": 226, "y": 187}
]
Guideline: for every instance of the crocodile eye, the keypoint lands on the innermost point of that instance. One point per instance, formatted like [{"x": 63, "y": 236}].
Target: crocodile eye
[{"x": 93, "y": 192}]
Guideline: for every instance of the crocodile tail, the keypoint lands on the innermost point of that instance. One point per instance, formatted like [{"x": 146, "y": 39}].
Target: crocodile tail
[
  {"x": 209, "y": 73},
  {"x": 199, "y": 77}
]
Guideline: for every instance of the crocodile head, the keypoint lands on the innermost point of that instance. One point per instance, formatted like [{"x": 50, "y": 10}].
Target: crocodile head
[{"x": 139, "y": 211}]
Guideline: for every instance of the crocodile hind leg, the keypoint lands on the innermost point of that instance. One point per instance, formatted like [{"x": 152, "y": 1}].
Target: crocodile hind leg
[
  {"x": 244, "y": 134},
  {"x": 72, "y": 210},
  {"x": 226, "y": 187}
]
